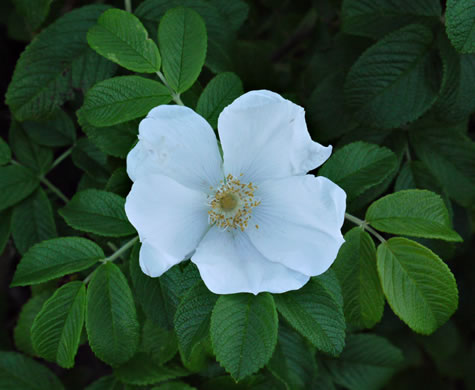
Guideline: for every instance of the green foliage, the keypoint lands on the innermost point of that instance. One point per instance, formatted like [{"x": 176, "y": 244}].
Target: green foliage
[
  {"x": 16, "y": 183},
  {"x": 418, "y": 285},
  {"x": 5, "y": 152},
  {"x": 393, "y": 82},
  {"x": 158, "y": 343},
  {"x": 244, "y": 332},
  {"x": 56, "y": 330},
  {"x": 120, "y": 37},
  {"x": 4, "y": 228},
  {"x": 460, "y": 25},
  {"x": 316, "y": 312},
  {"x": 367, "y": 362},
  {"x": 57, "y": 130},
  {"x": 32, "y": 221},
  {"x": 98, "y": 212},
  {"x": 90, "y": 159},
  {"x": 121, "y": 99},
  {"x": 417, "y": 213},
  {"x": 53, "y": 64},
  {"x": 34, "y": 13},
  {"x": 358, "y": 167},
  {"x": 356, "y": 270},
  {"x": 183, "y": 41},
  {"x": 18, "y": 372},
  {"x": 54, "y": 258},
  {"x": 111, "y": 319},
  {"x": 220, "y": 92}
]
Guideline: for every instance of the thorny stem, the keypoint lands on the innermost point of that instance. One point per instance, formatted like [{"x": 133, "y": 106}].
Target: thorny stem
[
  {"x": 365, "y": 226},
  {"x": 113, "y": 257},
  {"x": 128, "y": 5},
  {"x": 175, "y": 96}
]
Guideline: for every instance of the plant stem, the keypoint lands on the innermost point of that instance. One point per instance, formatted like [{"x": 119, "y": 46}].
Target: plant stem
[
  {"x": 54, "y": 189},
  {"x": 364, "y": 225},
  {"x": 128, "y": 5},
  {"x": 175, "y": 96},
  {"x": 61, "y": 158}
]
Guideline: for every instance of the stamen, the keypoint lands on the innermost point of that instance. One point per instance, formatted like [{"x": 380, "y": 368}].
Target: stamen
[{"x": 232, "y": 204}]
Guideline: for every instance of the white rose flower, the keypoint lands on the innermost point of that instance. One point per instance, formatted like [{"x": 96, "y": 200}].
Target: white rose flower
[{"x": 251, "y": 221}]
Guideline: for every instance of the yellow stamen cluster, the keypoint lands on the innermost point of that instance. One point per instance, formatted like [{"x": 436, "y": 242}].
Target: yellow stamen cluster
[{"x": 232, "y": 204}]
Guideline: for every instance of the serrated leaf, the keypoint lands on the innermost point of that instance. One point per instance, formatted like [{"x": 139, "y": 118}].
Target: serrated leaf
[
  {"x": 293, "y": 361},
  {"x": 16, "y": 183},
  {"x": 244, "y": 332},
  {"x": 418, "y": 285},
  {"x": 22, "y": 331},
  {"x": 120, "y": 37},
  {"x": 367, "y": 362},
  {"x": 316, "y": 312},
  {"x": 355, "y": 267},
  {"x": 18, "y": 372},
  {"x": 220, "y": 92},
  {"x": 5, "y": 153},
  {"x": 417, "y": 213},
  {"x": 235, "y": 12},
  {"x": 376, "y": 18},
  {"x": 55, "y": 258},
  {"x": 192, "y": 318},
  {"x": 183, "y": 41},
  {"x": 54, "y": 63},
  {"x": 359, "y": 166},
  {"x": 37, "y": 158},
  {"x": 121, "y": 99},
  {"x": 111, "y": 319},
  {"x": 57, "y": 130},
  {"x": 174, "y": 386},
  {"x": 140, "y": 370},
  {"x": 451, "y": 158},
  {"x": 119, "y": 182},
  {"x": 460, "y": 24},
  {"x": 33, "y": 13},
  {"x": 158, "y": 343},
  {"x": 33, "y": 221},
  {"x": 57, "y": 328},
  {"x": 90, "y": 159},
  {"x": 395, "y": 81},
  {"x": 108, "y": 382},
  {"x": 98, "y": 212}
]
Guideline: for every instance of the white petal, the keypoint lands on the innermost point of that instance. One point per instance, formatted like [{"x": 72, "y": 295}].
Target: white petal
[
  {"x": 265, "y": 136},
  {"x": 229, "y": 263},
  {"x": 175, "y": 141},
  {"x": 169, "y": 217},
  {"x": 299, "y": 221}
]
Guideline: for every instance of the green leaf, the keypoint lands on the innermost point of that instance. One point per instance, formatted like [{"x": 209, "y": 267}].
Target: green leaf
[
  {"x": 460, "y": 24},
  {"x": 120, "y": 37},
  {"x": 18, "y": 372},
  {"x": 376, "y": 18},
  {"x": 28, "y": 153},
  {"x": 34, "y": 13},
  {"x": 456, "y": 99},
  {"x": 121, "y": 99},
  {"x": 316, "y": 312},
  {"x": 244, "y": 332},
  {"x": 5, "y": 218},
  {"x": 111, "y": 319},
  {"x": 55, "y": 62},
  {"x": 359, "y": 166},
  {"x": 182, "y": 39},
  {"x": 57, "y": 130},
  {"x": 355, "y": 267},
  {"x": 5, "y": 153},
  {"x": 451, "y": 158},
  {"x": 22, "y": 331},
  {"x": 119, "y": 182},
  {"x": 90, "y": 159},
  {"x": 192, "y": 318},
  {"x": 55, "y": 258},
  {"x": 140, "y": 370},
  {"x": 293, "y": 361},
  {"x": 395, "y": 81},
  {"x": 16, "y": 183},
  {"x": 367, "y": 362},
  {"x": 220, "y": 92},
  {"x": 98, "y": 212},
  {"x": 57, "y": 328},
  {"x": 158, "y": 297},
  {"x": 174, "y": 386},
  {"x": 108, "y": 382},
  {"x": 160, "y": 344},
  {"x": 418, "y": 285},
  {"x": 417, "y": 213},
  {"x": 33, "y": 221},
  {"x": 235, "y": 12}
]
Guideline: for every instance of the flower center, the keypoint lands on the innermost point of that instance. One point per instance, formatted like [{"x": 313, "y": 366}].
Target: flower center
[{"x": 232, "y": 204}]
